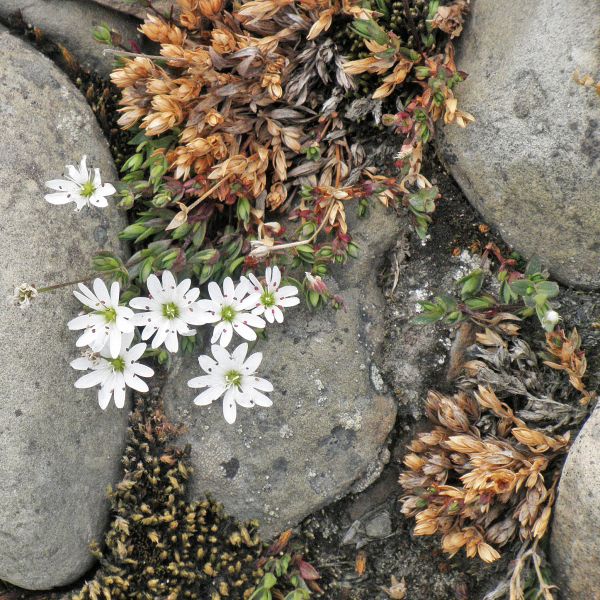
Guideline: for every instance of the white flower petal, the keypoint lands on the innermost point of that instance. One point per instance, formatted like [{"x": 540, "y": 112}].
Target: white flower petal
[
  {"x": 220, "y": 354},
  {"x": 114, "y": 343},
  {"x": 214, "y": 291},
  {"x": 104, "y": 395},
  {"x": 142, "y": 370},
  {"x": 256, "y": 285},
  {"x": 85, "y": 321},
  {"x": 91, "y": 379},
  {"x": 62, "y": 185},
  {"x": 161, "y": 336},
  {"x": 275, "y": 279},
  {"x": 119, "y": 390},
  {"x": 253, "y": 321},
  {"x": 124, "y": 325},
  {"x": 261, "y": 399},
  {"x": 101, "y": 291},
  {"x": 207, "y": 364},
  {"x": 252, "y": 363},
  {"x": 168, "y": 281},
  {"x": 59, "y": 198},
  {"x": 172, "y": 341},
  {"x": 289, "y": 301},
  {"x": 135, "y": 352},
  {"x": 83, "y": 363},
  {"x": 134, "y": 382},
  {"x": 97, "y": 200},
  {"x": 261, "y": 384},
  {"x": 243, "y": 331},
  {"x": 154, "y": 287},
  {"x": 228, "y": 288},
  {"x": 106, "y": 189},
  {"x": 239, "y": 354},
  {"x": 208, "y": 396},
  {"x": 205, "y": 381},
  {"x": 278, "y": 314},
  {"x": 229, "y": 406}
]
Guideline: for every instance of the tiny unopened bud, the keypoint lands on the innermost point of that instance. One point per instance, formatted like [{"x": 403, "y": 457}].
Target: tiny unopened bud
[
  {"x": 550, "y": 320},
  {"x": 273, "y": 226},
  {"x": 259, "y": 249},
  {"x": 23, "y": 295},
  {"x": 316, "y": 284}
]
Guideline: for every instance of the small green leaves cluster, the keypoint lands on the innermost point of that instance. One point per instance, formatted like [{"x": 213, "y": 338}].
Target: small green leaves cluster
[
  {"x": 289, "y": 569},
  {"x": 534, "y": 290},
  {"x": 422, "y": 204},
  {"x": 524, "y": 294}
]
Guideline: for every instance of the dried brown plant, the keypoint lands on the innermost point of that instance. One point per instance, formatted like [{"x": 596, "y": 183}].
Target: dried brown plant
[{"x": 486, "y": 473}]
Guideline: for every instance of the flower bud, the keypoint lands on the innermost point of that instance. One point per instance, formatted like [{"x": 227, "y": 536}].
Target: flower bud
[
  {"x": 550, "y": 320},
  {"x": 243, "y": 210},
  {"x": 259, "y": 249},
  {"x": 210, "y": 8},
  {"x": 316, "y": 284}
]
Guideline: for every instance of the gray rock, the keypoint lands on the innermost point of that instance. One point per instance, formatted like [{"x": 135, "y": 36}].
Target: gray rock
[
  {"x": 575, "y": 542},
  {"x": 530, "y": 162},
  {"x": 133, "y": 8},
  {"x": 327, "y": 429},
  {"x": 58, "y": 450},
  {"x": 379, "y": 526},
  {"x": 70, "y": 22}
]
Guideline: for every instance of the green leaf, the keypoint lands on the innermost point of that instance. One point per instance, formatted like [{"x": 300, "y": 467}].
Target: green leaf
[
  {"x": 480, "y": 303},
  {"x": 549, "y": 288},
  {"x": 522, "y": 287},
  {"x": 269, "y": 581},
  {"x": 427, "y": 318}
]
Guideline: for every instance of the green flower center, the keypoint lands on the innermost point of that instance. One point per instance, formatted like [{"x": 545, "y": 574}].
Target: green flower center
[
  {"x": 110, "y": 315},
  {"x": 233, "y": 378},
  {"x": 228, "y": 313},
  {"x": 170, "y": 311},
  {"x": 87, "y": 189},
  {"x": 118, "y": 364},
  {"x": 267, "y": 299}
]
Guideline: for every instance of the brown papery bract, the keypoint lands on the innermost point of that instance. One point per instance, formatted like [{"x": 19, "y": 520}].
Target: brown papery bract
[{"x": 483, "y": 476}]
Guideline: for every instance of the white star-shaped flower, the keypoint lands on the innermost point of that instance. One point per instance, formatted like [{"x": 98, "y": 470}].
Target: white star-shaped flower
[
  {"x": 107, "y": 321},
  {"x": 229, "y": 310},
  {"x": 168, "y": 311},
  {"x": 233, "y": 377},
  {"x": 82, "y": 185},
  {"x": 114, "y": 374},
  {"x": 272, "y": 299}
]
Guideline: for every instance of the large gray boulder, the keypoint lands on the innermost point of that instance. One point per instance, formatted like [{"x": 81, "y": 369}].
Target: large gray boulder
[
  {"x": 530, "y": 163},
  {"x": 326, "y": 432},
  {"x": 70, "y": 23},
  {"x": 575, "y": 542},
  {"x": 58, "y": 450}
]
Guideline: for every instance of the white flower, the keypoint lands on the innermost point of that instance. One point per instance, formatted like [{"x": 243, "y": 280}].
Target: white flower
[
  {"x": 114, "y": 374},
  {"x": 23, "y": 295},
  {"x": 550, "y": 320},
  {"x": 107, "y": 321},
  {"x": 229, "y": 310},
  {"x": 81, "y": 186},
  {"x": 168, "y": 311},
  {"x": 231, "y": 376},
  {"x": 270, "y": 300}
]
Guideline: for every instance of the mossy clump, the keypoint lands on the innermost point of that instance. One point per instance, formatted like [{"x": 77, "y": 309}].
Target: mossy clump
[{"x": 161, "y": 546}]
